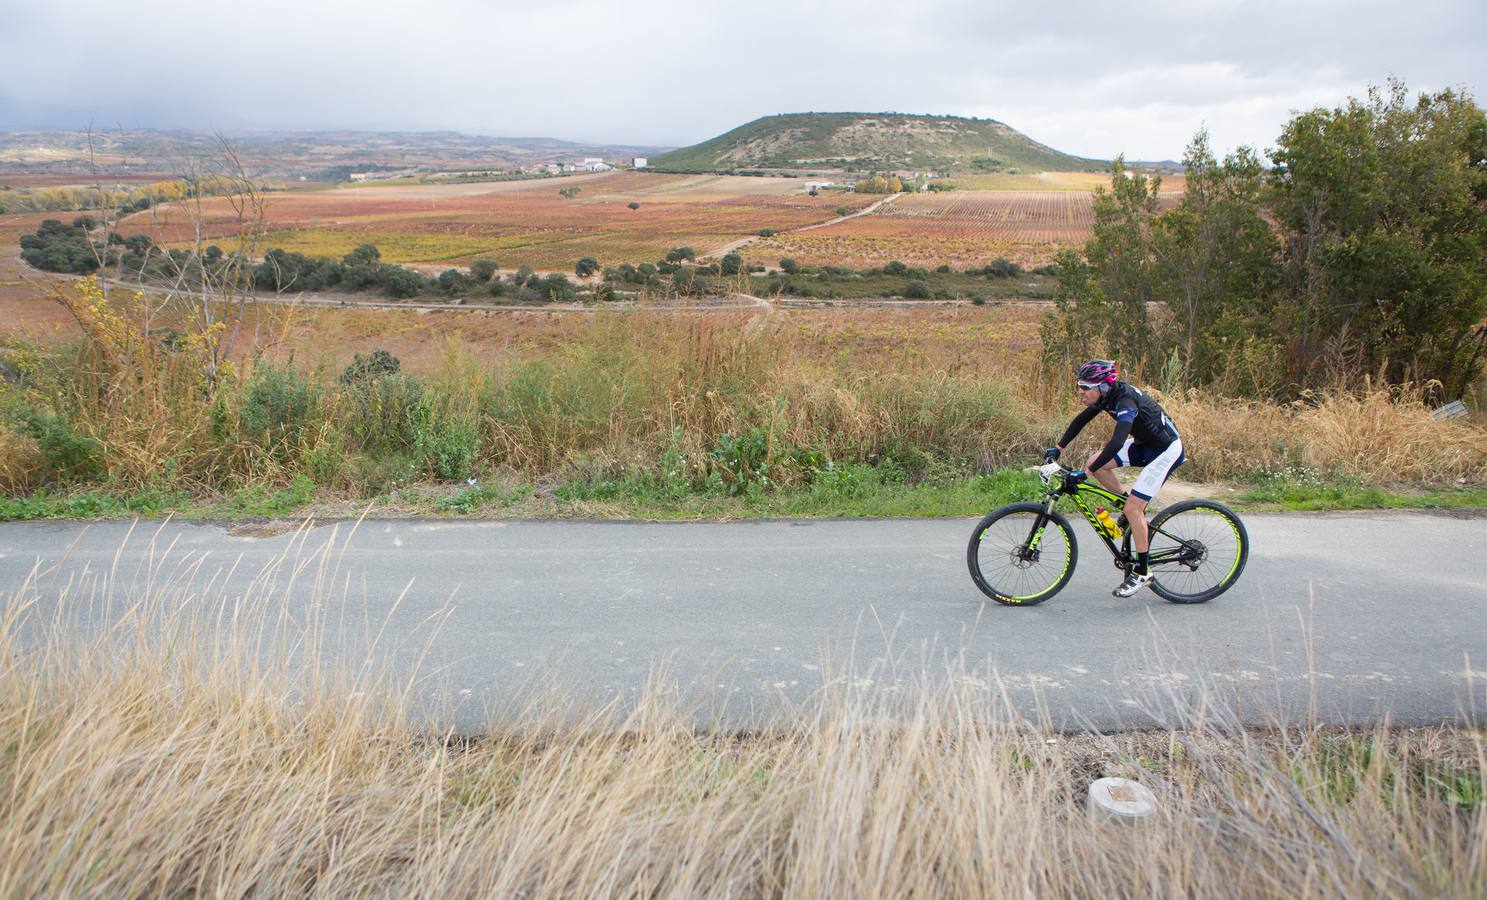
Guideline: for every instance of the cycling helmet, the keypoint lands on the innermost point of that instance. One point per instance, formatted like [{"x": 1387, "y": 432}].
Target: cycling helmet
[{"x": 1097, "y": 372}]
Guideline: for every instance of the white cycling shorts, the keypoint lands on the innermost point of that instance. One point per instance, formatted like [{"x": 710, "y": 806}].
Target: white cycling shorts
[{"x": 1156, "y": 469}]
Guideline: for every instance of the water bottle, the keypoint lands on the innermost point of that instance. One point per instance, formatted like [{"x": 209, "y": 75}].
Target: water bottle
[{"x": 1110, "y": 527}]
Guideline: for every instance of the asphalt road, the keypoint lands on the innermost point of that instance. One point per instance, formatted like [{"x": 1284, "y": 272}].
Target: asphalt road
[{"x": 1350, "y": 617}]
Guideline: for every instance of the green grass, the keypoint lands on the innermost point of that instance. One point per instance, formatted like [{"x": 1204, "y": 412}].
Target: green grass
[
  {"x": 849, "y": 491},
  {"x": 1312, "y": 495}
]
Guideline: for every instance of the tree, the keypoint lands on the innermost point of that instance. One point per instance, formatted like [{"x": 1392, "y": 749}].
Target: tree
[
  {"x": 677, "y": 254},
  {"x": 586, "y": 267},
  {"x": 789, "y": 266},
  {"x": 569, "y": 193},
  {"x": 1104, "y": 293},
  {"x": 557, "y": 288},
  {"x": 363, "y": 255},
  {"x": 400, "y": 282},
  {"x": 730, "y": 264},
  {"x": 453, "y": 281},
  {"x": 633, "y": 205},
  {"x": 1382, "y": 207},
  {"x": 843, "y": 211},
  {"x": 1217, "y": 264},
  {"x": 483, "y": 269}
]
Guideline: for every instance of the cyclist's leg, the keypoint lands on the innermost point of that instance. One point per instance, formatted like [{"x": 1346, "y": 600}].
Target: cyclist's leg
[
  {"x": 1154, "y": 474},
  {"x": 1105, "y": 475}
]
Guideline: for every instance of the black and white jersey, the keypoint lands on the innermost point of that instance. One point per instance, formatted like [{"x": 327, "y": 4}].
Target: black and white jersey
[{"x": 1149, "y": 424}]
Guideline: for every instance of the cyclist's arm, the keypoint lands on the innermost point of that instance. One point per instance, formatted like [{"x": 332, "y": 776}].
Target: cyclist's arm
[
  {"x": 1077, "y": 426},
  {"x": 1125, "y": 417}
]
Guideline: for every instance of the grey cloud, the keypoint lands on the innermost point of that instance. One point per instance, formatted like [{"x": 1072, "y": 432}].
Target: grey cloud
[{"x": 1089, "y": 78}]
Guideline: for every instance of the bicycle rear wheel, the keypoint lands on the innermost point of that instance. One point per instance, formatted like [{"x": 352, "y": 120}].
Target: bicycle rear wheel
[
  {"x": 1020, "y": 555},
  {"x": 1198, "y": 551}
]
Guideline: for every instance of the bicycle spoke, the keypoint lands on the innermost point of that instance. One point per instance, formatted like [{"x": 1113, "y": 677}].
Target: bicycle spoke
[
  {"x": 1201, "y": 530},
  {"x": 1001, "y": 566}
]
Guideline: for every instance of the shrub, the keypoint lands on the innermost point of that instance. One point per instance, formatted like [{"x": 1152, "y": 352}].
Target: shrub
[
  {"x": 483, "y": 269},
  {"x": 1003, "y": 268},
  {"x": 400, "y": 282},
  {"x": 731, "y": 264},
  {"x": 364, "y": 255},
  {"x": 586, "y": 267},
  {"x": 765, "y": 232},
  {"x": 916, "y": 290},
  {"x": 67, "y": 455},
  {"x": 677, "y": 254},
  {"x": 453, "y": 281},
  {"x": 381, "y": 413},
  {"x": 443, "y": 444},
  {"x": 372, "y": 365},
  {"x": 789, "y": 266},
  {"x": 276, "y": 410},
  {"x": 633, "y": 205},
  {"x": 557, "y": 288},
  {"x": 895, "y": 268}
]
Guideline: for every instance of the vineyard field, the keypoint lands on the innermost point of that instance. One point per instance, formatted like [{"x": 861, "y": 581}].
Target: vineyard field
[
  {"x": 958, "y": 228},
  {"x": 521, "y": 223}
]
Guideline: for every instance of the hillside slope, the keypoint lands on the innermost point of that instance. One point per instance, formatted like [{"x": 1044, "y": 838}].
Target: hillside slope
[{"x": 874, "y": 141}]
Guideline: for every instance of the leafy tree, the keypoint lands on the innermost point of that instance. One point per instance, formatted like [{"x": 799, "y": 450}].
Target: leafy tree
[
  {"x": 677, "y": 254},
  {"x": 557, "y": 288},
  {"x": 1382, "y": 207},
  {"x": 789, "y": 266},
  {"x": 731, "y": 264},
  {"x": 400, "y": 282},
  {"x": 586, "y": 267},
  {"x": 895, "y": 268},
  {"x": 483, "y": 269},
  {"x": 453, "y": 281},
  {"x": 1217, "y": 262},
  {"x": 1104, "y": 294},
  {"x": 364, "y": 255},
  {"x": 633, "y": 205},
  {"x": 916, "y": 290}
]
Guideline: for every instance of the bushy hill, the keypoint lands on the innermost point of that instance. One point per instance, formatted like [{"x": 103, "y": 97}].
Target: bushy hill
[{"x": 874, "y": 141}]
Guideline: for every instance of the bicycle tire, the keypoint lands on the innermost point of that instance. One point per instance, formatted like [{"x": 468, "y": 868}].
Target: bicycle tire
[
  {"x": 1004, "y": 591},
  {"x": 1192, "y": 527}
]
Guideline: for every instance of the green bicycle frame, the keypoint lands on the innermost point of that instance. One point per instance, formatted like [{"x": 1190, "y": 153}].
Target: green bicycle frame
[{"x": 1086, "y": 496}]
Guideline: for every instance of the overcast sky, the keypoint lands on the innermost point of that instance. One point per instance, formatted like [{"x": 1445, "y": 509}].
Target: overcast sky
[{"x": 1095, "y": 79}]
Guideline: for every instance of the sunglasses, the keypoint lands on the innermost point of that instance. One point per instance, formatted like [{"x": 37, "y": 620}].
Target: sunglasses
[{"x": 1089, "y": 385}]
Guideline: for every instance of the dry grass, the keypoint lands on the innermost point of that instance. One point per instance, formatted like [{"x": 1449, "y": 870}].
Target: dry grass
[
  {"x": 616, "y": 390},
  {"x": 166, "y": 738}
]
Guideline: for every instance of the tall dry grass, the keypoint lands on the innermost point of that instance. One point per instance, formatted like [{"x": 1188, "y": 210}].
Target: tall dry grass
[
  {"x": 623, "y": 389},
  {"x": 166, "y": 737}
]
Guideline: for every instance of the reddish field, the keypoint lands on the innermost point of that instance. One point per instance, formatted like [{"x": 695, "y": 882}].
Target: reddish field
[
  {"x": 525, "y": 222},
  {"x": 959, "y": 228},
  {"x": 25, "y": 309}
]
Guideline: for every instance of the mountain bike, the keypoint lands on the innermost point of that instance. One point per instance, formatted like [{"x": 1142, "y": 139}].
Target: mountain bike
[{"x": 1024, "y": 553}]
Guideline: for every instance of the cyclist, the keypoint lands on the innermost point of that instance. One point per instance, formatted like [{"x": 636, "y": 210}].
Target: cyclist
[{"x": 1144, "y": 436}]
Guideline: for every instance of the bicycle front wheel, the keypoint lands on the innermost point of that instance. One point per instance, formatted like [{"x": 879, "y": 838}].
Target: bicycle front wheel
[
  {"x": 1198, "y": 550},
  {"x": 1021, "y": 555}
]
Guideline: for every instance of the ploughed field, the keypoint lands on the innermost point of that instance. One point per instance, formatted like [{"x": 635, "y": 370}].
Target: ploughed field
[{"x": 1025, "y": 218}]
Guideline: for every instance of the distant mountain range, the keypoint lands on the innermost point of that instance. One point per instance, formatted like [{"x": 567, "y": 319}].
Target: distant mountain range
[
  {"x": 313, "y": 154},
  {"x": 858, "y": 142},
  {"x": 863, "y": 141}
]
